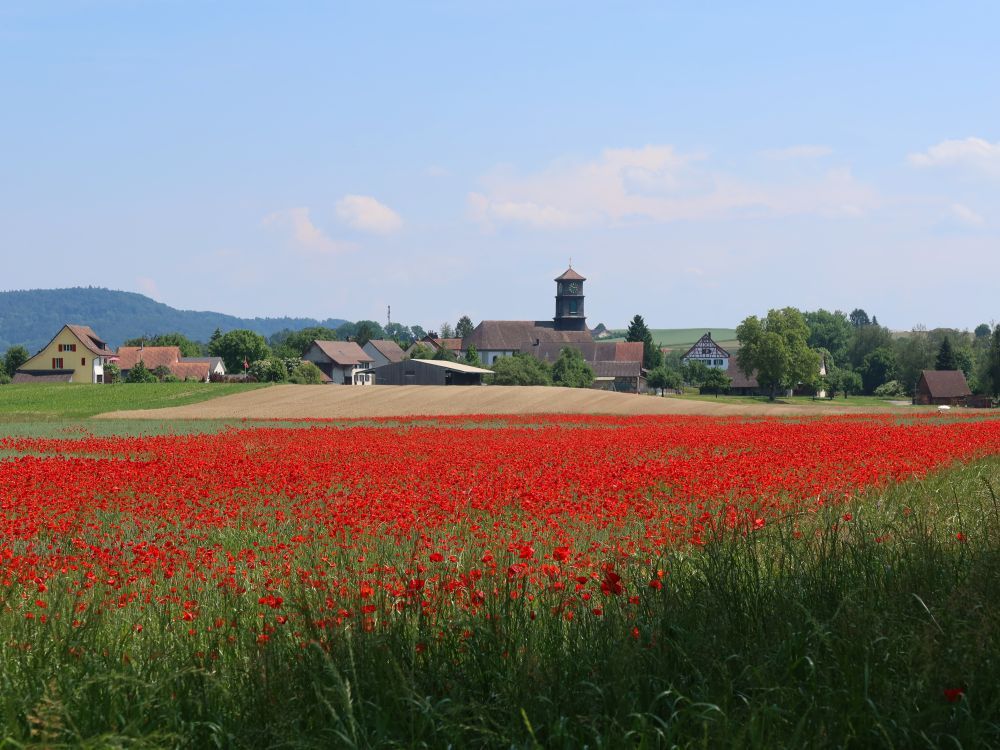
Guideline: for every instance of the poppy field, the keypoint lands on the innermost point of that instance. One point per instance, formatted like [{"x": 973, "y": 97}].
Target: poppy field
[{"x": 517, "y": 581}]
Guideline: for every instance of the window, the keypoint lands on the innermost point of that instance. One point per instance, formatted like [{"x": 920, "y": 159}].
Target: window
[
  {"x": 572, "y": 307},
  {"x": 57, "y": 363},
  {"x": 83, "y": 361},
  {"x": 67, "y": 347}
]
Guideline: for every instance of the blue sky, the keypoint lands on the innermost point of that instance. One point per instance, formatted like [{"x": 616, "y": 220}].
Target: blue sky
[{"x": 699, "y": 162}]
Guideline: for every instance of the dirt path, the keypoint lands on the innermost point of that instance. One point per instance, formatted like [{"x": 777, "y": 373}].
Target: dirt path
[{"x": 332, "y": 402}]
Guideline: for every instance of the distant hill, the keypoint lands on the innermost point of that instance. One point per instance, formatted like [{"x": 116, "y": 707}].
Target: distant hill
[
  {"x": 31, "y": 318},
  {"x": 678, "y": 337}
]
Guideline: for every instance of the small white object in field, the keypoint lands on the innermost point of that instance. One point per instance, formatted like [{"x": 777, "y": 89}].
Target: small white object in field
[{"x": 944, "y": 407}]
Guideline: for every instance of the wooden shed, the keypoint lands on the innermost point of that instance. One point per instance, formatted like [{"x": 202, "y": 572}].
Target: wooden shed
[
  {"x": 428, "y": 372},
  {"x": 942, "y": 387}
]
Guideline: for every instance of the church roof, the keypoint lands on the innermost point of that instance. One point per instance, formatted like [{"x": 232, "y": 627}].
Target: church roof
[
  {"x": 520, "y": 335},
  {"x": 593, "y": 351},
  {"x": 570, "y": 275}
]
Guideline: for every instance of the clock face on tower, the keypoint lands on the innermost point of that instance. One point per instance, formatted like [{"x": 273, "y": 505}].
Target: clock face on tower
[{"x": 574, "y": 287}]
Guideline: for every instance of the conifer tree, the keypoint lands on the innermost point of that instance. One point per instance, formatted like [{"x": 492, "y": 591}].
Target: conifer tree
[
  {"x": 652, "y": 357},
  {"x": 946, "y": 356}
]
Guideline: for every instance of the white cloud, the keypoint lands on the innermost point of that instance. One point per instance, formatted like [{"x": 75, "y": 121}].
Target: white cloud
[
  {"x": 803, "y": 151},
  {"x": 974, "y": 154},
  {"x": 656, "y": 184},
  {"x": 966, "y": 215},
  {"x": 306, "y": 235},
  {"x": 367, "y": 214}
]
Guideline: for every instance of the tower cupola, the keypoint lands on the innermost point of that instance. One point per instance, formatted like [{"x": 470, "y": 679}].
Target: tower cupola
[{"x": 569, "y": 302}]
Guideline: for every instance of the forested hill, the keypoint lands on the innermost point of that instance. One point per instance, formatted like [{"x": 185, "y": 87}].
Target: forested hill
[{"x": 33, "y": 317}]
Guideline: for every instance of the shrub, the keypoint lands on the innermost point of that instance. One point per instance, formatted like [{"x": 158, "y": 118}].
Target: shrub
[
  {"x": 306, "y": 373},
  {"x": 892, "y": 388},
  {"x": 139, "y": 374}
]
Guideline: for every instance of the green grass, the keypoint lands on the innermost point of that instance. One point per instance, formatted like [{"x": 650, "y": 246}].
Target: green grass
[
  {"x": 832, "y": 632},
  {"x": 676, "y": 337},
  {"x": 67, "y": 401}
]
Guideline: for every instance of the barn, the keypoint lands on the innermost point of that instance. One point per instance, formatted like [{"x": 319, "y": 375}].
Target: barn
[
  {"x": 427, "y": 372},
  {"x": 942, "y": 387}
]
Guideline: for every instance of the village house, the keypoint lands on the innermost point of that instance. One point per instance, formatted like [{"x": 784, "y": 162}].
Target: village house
[
  {"x": 169, "y": 357},
  {"x": 341, "y": 362},
  {"x": 383, "y": 352},
  {"x": 941, "y": 388},
  {"x": 436, "y": 344},
  {"x": 74, "y": 355},
  {"x": 706, "y": 351}
]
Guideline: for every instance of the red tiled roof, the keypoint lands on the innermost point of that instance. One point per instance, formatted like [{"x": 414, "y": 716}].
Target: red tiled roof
[
  {"x": 570, "y": 275},
  {"x": 90, "y": 340},
  {"x": 151, "y": 356},
  {"x": 944, "y": 383},
  {"x": 343, "y": 352},
  {"x": 592, "y": 351},
  {"x": 452, "y": 344}
]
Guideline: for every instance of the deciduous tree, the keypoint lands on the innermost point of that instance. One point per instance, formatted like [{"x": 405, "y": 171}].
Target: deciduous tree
[
  {"x": 521, "y": 369},
  {"x": 16, "y": 356},
  {"x": 777, "y": 350},
  {"x": 571, "y": 369},
  {"x": 237, "y": 346},
  {"x": 715, "y": 381},
  {"x": 662, "y": 378}
]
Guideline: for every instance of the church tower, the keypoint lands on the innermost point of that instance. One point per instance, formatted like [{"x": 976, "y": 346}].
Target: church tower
[{"x": 569, "y": 302}]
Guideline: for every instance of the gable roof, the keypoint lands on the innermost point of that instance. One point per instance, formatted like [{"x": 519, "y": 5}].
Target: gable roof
[
  {"x": 452, "y": 344},
  {"x": 738, "y": 379},
  {"x": 521, "y": 335},
  {"x": 212, "y": 362},
  {"x": 456, "y": 366},
  {"x": 592, "y": 351},
  {"x": 945, "y": 383},
  {"x": 343, "y": 353},
  {"x": 151, "y": 356},
  {"x": 91, "y": 340},
  {"x": 705, "y": 341},
  {"x": 570, "y": 275},
  {"x": 387, "y": 348}
]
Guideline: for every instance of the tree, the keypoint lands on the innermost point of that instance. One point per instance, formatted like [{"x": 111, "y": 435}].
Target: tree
[
  {"x": 445, "y": 354},
  {"x": 162, "y": 372},
  {"x": 16, "y": 356},
  {"x": 777, "y": 349},
  {"x": 112, "y": 373},
  {"x": 417, "y": 332},
  {"x": 864, "y": 341},
  {"x": 716, "y": 381},
  {"x": 464, "y": 327},
  {"x": 652, "y": 357},
  {"x": 237, "y": 346},
  {"x": 662, "y": 378},
  {"x": 447, "y": 332},
  {"x": 139, "y": 374},
  {"x": 982, "y": 331},
  {"x": 946, "y": 356},
  {"x": 694, "y": 371},
  {"x": 843, "y": 381},
  {"x": 271, "y": 370},
  {"x": 421, "y": 351},
  {"x": 472, "y": 356},
  {"x": 571, "y": 369},
  {"x": 521, "y": 369},
  {"x": 306, "y": 373},
  {"x": 859, "y": 318},
  {"x": 366, "y": 331},
  {"x": 831, "y": 331},
  {"x": 879, "y": 367},
  {"x": 993, "y": 363},
  {"x": 188, "y": 347},
  {"x": 293, "y": 344}
]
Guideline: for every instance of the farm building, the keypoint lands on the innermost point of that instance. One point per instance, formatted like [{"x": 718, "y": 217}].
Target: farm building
[
  {"x": 74, "y": 355},
  {"x": 427, "y": 372},
  {"x": 383, "y": 352},
  {"x": 942, "y": 387},
  {"x": 707, "y": 351},
  {"x": 341, "y": 362},
  {"x": 617, "y": 365},
  {"x": 215, "y": 364},
  {"x": 162, "y": 356}
]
